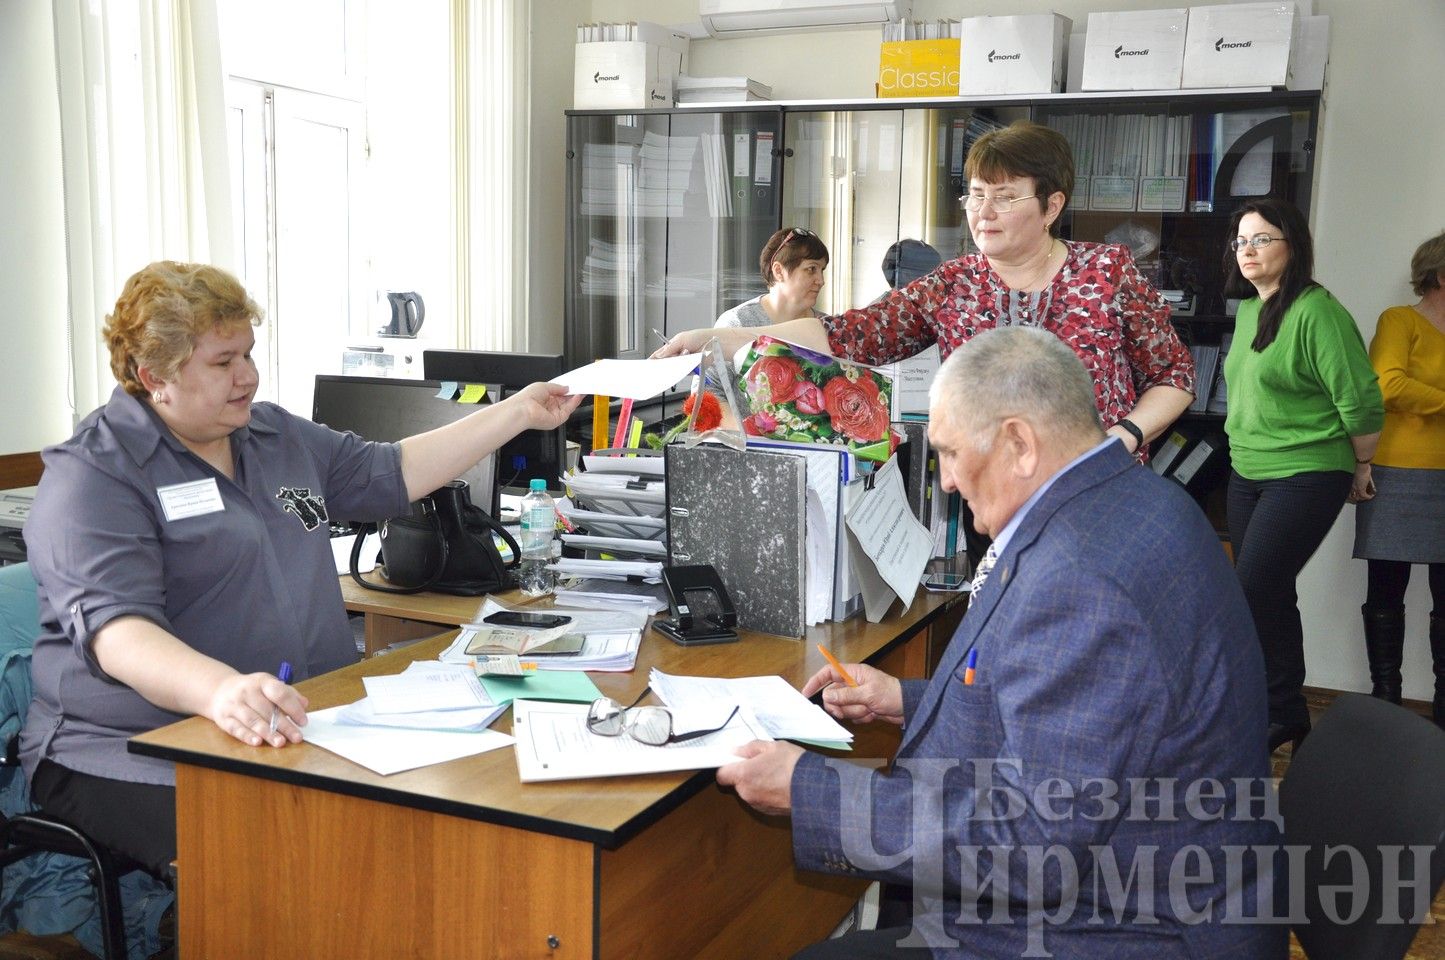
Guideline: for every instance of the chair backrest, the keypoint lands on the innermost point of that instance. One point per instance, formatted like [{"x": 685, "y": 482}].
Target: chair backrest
[
  {"x": 1367, "y": 786},
  {"x": 19, "y": 626}
]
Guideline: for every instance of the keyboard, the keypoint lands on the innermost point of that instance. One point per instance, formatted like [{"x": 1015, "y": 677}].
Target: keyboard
[{"x": 12, "y": 546}]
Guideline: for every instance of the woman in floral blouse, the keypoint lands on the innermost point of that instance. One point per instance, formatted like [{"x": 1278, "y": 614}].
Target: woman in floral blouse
[{"x": 1090, "y": 295}]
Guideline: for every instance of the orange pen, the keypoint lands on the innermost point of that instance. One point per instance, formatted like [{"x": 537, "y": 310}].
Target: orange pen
[
  {"x": 968, "y": 671},
  {"x": 837, "y": 666}
]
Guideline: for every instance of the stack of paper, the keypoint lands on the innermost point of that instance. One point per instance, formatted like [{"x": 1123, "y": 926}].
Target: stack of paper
[
  {"x": 616, "y": 508},
  {"x": 429, "y": 713},
  {"x": 611, "y": 493},
  {"x": 437, "y": 696},
  {"x": 781, "y": 711},
  {"x": 720, "y": 89},
  {"x": 612, "y": 638},
  {"x": 612, "y": 594},
  {"x": 553, "y": 743}
]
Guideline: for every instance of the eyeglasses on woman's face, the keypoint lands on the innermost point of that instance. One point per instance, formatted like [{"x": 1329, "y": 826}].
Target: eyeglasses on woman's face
[
  {"x": 974, "y": 202},
  {"x": 1258, "y": 241}
]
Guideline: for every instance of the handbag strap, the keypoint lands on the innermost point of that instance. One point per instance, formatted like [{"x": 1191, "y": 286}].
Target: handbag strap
[
  {"x": 476, "y": 514},
  {"x": 368, "y": 528}
]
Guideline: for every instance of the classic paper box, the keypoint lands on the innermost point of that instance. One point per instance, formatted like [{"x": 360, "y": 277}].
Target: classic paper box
[
  {"x": 1019, "y": 54},
  {"x": 1137, "y": 50},
  {"x": 1239, "y": 45},
  {"x": 918, "y": 68}
]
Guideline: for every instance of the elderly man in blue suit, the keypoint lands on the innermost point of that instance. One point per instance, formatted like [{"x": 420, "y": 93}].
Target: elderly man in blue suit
[{"x": 1086, "y": 774}]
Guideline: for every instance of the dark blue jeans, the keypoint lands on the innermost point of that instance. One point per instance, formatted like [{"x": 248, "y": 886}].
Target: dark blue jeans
[{"x": 1275, "y": 526}]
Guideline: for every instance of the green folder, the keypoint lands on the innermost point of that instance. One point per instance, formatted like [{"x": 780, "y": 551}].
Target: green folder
[{"x": 572, "y": 686}]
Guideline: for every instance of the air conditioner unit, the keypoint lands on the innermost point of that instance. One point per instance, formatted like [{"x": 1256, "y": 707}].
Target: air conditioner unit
[{"x": 749, "y": 18}]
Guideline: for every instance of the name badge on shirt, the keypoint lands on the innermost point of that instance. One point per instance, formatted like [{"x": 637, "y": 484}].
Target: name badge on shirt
[{"x": 181, "y": 500}]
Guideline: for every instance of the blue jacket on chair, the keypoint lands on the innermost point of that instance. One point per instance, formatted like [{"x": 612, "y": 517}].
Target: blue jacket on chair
[{"x": 46, "y": 893}]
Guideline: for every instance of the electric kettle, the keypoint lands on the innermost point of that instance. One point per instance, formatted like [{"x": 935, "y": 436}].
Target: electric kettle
[{"x": 407, "y": 313}]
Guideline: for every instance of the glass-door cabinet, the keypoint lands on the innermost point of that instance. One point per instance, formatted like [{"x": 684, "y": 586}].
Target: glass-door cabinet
[
  {"x": 668, "y": 211},
  {"x": 1164, "y": 176},
  {"x": 865, "y": 179}
]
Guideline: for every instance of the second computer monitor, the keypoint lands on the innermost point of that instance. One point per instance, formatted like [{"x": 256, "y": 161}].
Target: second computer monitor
[
  {"x": 386, "y": 409},
  {"x": 532, "y": 453}
]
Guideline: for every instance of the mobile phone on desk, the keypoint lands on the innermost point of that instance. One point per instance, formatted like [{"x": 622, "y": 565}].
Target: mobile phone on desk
[
  {"x": 945, "y": 582},
  {"x": 523, "y": 618}
]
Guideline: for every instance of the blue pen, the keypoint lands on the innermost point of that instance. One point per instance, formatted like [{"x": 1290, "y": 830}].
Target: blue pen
[
  {"x": 969, "y": 670},
  {"x": 284, "y": 675}
]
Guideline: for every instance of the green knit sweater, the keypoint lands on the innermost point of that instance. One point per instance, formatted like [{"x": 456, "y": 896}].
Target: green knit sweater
[{"x": 1294, "y": 406}]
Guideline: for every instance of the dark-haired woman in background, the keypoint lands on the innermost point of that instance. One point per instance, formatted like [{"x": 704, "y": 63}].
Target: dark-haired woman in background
[
  {"x": 791, "y": 264},
  {"x": 1304, "y": 417},
  {"x": 1405, "y": 523}
]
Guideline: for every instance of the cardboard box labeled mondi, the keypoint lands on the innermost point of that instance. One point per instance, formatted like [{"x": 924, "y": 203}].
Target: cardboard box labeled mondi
[
  {"x": 1020, "y": 54},
  {"x": 1137, "y": 50},
  {"x": 632, "y": 74},
  {"x": 1239, "y": 45}
]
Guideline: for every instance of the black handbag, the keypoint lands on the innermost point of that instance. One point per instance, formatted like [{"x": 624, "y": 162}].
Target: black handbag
[{"x": 445, "y": 544}]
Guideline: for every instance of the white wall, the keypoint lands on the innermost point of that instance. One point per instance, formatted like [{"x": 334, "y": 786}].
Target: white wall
[
  {"x": 33, "y": 406},
  {"x": 1380, "y": 192}
]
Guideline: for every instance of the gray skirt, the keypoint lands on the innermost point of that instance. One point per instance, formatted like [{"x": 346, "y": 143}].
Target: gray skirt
[{"x": 1406, "y": 519}]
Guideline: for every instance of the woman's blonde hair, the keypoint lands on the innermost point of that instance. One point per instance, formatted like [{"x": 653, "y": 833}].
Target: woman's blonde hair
[
  {"x": 1427, "y": 266},
  {"x": 163, "y": 310}
]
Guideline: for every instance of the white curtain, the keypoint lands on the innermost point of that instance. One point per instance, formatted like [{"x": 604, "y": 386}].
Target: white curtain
[
  {"x": 144, "y": 156},
  {"x": 491, "y": 176}
]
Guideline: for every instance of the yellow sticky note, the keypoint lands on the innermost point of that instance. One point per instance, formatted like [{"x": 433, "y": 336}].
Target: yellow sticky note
[{"x": 473, "y": 393}]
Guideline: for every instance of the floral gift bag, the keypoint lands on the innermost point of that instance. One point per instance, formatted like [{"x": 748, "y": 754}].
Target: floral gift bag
[{"x": 792, "y": 393}]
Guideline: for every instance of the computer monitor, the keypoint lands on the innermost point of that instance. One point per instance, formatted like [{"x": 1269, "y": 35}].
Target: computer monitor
[
  {"x": 532, "y": 453},
  {"x": 382, "y": 408}
]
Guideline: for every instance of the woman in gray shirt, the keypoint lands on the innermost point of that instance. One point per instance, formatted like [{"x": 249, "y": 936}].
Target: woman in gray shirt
[
  {"x": 792, "y": 264},
  {"x": 176, "y": 566}
]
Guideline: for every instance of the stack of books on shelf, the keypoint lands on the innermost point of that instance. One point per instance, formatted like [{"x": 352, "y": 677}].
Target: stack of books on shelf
[
  {"x": 692, "y": 90},
  {"x": 1206, "y": 359}
]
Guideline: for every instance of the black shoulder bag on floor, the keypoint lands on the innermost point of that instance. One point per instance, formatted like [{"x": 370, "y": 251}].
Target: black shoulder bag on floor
[{"x": 445, "y": 545}]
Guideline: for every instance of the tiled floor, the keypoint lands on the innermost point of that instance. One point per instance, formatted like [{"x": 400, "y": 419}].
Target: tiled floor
[{"x": 1429, "y": 942}]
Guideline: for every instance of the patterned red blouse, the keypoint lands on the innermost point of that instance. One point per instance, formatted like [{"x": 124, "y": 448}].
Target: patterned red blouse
[{"x": 1098, "y": 304}]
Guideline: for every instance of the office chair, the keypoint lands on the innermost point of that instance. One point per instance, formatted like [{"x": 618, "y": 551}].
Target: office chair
[
  {"x": 1370, "y": 775},
  {"x": 34, "y": 831}
]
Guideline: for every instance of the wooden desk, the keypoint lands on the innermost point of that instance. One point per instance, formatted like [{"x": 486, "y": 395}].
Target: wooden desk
[
  {"x": 299, "y": 853},
  {"x": 392, "y": 617}
]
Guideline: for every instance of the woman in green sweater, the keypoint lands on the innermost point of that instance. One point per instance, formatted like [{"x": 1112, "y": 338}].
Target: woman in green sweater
[{"x": 1304, "y": 417}]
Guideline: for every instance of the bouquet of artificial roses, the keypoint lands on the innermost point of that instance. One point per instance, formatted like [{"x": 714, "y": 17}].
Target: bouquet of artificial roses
[{"x": 797, "y": 394}]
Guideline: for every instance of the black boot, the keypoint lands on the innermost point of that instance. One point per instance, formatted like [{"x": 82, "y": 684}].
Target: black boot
[
  {"x": 1437, "y": 653},
  {"x": 1384, "y": 647}
]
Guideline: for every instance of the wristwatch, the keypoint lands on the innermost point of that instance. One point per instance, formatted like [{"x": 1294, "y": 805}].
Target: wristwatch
[{"x": 1134, "y": 431}]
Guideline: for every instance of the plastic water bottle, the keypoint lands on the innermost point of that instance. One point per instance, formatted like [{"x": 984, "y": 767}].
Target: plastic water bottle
[{"x": 539, "y": 527}]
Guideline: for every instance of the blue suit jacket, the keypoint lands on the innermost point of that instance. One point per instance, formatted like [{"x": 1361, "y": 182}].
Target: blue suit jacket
[{"x": 1114, "y": 647}]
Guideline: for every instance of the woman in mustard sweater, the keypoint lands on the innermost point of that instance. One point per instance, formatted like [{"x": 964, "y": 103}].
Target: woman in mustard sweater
[
  {"x": 1405, "y": 523},
  {"x": 1304, "y": 418}
]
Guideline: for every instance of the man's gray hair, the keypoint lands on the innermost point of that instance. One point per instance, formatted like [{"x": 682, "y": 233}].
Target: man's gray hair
[{"x": 1019, "y": 372}]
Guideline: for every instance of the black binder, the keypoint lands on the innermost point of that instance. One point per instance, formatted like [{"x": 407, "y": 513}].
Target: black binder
[{"x": 745, "y": 514}]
